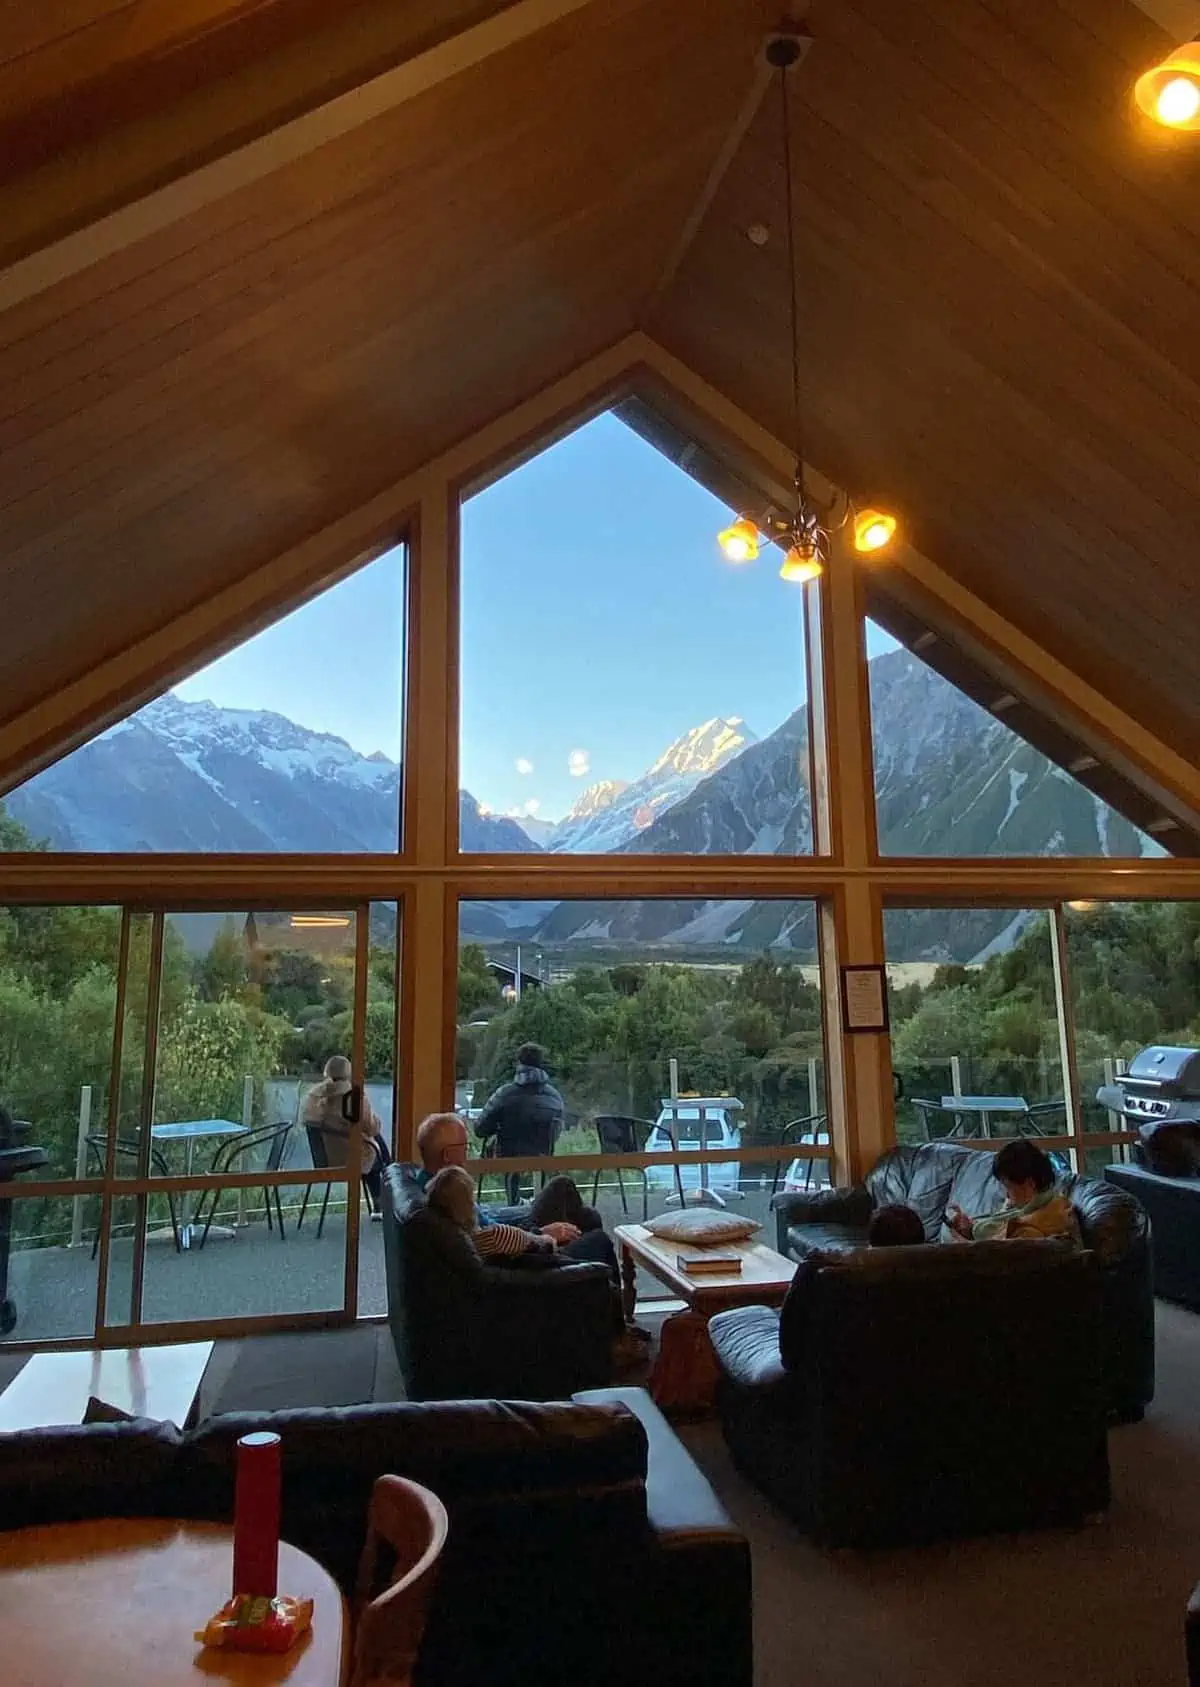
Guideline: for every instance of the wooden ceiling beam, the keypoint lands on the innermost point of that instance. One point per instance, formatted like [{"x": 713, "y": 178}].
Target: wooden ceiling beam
[{"x": 142, "y": 176}]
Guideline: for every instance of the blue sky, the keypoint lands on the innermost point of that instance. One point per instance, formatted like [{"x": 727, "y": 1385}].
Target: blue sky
[{"x": 598, "y": 620}]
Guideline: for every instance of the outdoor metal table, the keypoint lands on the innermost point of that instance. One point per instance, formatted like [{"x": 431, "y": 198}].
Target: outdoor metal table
[
  {"x": 986, "y": 1106},
  {"x": 189, "y": 1132}
]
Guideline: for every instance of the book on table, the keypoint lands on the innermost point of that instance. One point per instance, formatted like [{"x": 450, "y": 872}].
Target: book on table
[{"x": 709, "y": 1264}]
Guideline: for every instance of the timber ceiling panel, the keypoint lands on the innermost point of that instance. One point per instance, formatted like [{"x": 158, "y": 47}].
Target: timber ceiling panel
[
  {"x": 185, "y": 410},
  {"x": 1001, "y": 281}
]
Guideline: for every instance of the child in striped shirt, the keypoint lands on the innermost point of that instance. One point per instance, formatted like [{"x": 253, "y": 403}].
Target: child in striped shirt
[{"x": 452, "y": 1193}]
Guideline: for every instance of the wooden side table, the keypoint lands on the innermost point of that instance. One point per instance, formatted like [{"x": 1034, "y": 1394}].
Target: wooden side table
[
  {"x": 115, "y": 1603},
  {"x": 685, "y": 1372}
]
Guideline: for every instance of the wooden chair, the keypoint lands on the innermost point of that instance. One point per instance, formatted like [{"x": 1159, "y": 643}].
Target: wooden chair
[{"x": 406, "y": 1524}]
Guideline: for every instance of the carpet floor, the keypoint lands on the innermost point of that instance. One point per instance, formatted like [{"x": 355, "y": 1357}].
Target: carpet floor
[{"x": 1101, "y": 1607}]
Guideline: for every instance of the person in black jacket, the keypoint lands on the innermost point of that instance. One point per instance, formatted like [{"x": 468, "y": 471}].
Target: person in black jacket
[{"x": 524, "y": 1116}]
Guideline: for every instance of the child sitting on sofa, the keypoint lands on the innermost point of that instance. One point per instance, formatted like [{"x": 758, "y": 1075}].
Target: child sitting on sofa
[{"x": 1036, "y": 1208}]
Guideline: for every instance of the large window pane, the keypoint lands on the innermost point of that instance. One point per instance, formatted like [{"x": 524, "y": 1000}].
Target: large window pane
[
  {"x": 952, "y": 779},
  {"x": 975, "y": 1033},
  {"x": 623, "y": 688},
  {"x": 291, "y": 742},
  {"x": 1135, "y": 980},
  {"x": 58, "y": 992},
  {"x": 614, "y": 992},
  {"x": 51, "y": 1288}
]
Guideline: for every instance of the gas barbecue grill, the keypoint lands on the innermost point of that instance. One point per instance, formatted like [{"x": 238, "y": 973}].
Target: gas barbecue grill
[{"x": 1160, "y": 1096}]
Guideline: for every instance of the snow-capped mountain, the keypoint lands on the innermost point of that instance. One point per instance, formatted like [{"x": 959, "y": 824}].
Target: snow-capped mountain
[
  {"x": 196, "y": 777},
  {"x": 610, "y": 815},
  {"x": 952, "y": 780}
]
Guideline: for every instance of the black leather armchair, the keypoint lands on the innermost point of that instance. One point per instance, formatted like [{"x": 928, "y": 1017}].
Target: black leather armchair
[
  {"x": 906, "y": 1393},
  {"x": 934, "y": 1175},
  {"x": 466, "y": 1330}
]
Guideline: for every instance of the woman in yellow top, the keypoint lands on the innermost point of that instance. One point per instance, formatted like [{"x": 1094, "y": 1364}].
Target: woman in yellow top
[{"x": 1037, "y": 1208}]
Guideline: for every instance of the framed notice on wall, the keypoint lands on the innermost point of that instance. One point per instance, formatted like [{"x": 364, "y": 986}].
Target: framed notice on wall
[{"x": 864, "y": 998}]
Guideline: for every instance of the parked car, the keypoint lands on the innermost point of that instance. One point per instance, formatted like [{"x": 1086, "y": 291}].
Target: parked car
[
  {"x": 686, "y": 1122},
  {"x": 804, "y": 1174}
]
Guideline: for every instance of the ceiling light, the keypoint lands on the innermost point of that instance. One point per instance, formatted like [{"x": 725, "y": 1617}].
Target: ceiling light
[
  {"x": 873, "y": 529},
  {"x": 319, "y": 922},
  {"x": 739, "y": 542},
  {"x": 1081, "y": 907},
  {"x": 801, "y": 564},
  {"x": 1170, "y": 93},
  {"x": 802, "y": 531}
]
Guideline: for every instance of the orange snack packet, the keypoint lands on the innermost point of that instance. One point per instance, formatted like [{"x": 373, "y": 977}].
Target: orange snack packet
[{"x": 247, "y": 1623}]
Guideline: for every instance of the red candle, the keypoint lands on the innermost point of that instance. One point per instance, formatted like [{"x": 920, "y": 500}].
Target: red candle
[{"x": 256, "y": 1517}]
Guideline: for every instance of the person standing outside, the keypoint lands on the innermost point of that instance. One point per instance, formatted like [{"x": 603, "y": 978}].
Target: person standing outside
[{"x": 524, "y": 1116}]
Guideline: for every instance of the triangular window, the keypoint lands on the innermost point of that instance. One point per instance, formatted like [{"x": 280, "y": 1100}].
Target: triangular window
[{"x": 290, "y": 743}]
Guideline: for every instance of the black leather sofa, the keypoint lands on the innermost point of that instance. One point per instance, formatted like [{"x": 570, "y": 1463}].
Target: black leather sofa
[
  {"x": 1173, "y": 1204},
  {"x": 931, "y": 1176},
  {"x": 908, "y": 1393},
  {"x": 1192, "y": 1638},
  {"x": 466, "y": 1330},
  {"x": 583, "y": 1540}
]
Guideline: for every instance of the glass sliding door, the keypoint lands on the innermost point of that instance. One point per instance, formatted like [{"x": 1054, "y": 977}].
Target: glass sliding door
[{"x": 256, "y": 1075}]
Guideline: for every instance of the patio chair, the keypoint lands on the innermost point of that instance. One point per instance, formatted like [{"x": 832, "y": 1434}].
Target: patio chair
[
  {"x": 318, "y": 1147},
  {"x": 407, "y": 1525},
  {"x": 795, "y": 1132},
  {"x": 617, "y": 1134},
  {"x": 128, "y": 1151},
  {"x": 277, "y": 1136},
  {"x": 1041, "y": 1116}
]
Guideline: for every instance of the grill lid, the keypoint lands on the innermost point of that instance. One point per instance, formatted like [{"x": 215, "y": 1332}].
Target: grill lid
[{"x": 1171, "y": 1071}]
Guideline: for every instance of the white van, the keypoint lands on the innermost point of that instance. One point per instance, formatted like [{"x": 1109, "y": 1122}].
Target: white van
[{"x": 687, "y": 1122}]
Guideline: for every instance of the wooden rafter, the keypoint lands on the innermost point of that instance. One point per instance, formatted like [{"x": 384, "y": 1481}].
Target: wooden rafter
[{"x": 142, "y": 176}]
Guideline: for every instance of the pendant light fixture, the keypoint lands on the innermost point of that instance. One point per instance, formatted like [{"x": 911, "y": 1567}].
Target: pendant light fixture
[{"x": 805, "y": 533}]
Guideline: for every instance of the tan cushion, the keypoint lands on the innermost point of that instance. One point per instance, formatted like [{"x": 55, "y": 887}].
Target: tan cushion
[{"x": 703, "y": 1227}]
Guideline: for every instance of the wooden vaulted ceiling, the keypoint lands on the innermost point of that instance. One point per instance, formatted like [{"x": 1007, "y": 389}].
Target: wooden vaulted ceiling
[{"x": 1000, "y": 288}]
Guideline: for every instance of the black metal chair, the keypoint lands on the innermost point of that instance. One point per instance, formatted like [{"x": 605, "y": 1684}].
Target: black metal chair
[
  {"x": 617, "y": 1134},
  {"x": 128, "y": 1150},
  {"x": 1041, "y": 1116},
  {"x": 794, "y": 1133},
  {"x": 319, "y": 1149},
  {"x": 223, "y": 1161}
]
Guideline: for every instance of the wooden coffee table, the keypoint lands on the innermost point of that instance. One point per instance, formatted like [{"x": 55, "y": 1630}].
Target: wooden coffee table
[
  {"x": 116, "y": 1602},
  {"x": 146, "y": 1382},
  {"x": 685, "y": 1372}
]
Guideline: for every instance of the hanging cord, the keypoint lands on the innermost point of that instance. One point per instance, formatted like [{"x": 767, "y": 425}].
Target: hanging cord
[{"x": 794, "y": 300}]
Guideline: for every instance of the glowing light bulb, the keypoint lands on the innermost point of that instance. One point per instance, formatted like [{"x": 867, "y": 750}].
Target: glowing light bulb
[
  {"x": 739, "y": 542},
  {"x": 1081, "y": 907},
  {"x": 801, "y": 565},
  {"x": 873, "y": 529},
  {"x": 1178, "y": 102}
]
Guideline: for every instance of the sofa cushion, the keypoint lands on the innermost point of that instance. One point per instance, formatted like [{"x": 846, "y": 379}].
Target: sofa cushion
[
  {"x": 74, "y": 1471},
  {"x": 920, "y": 1177},
  {"x": 473, "y": 1454},
  {"x": 808, "y": 1241}
]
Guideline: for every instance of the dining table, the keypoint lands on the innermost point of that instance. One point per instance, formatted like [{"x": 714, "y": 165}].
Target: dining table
[{"x": 117, "y": 1602}]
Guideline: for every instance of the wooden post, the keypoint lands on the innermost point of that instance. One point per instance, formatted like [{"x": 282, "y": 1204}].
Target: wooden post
[
  {"x": 862, "y": 1122},
  {"x": 85, "y": 1120}
]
